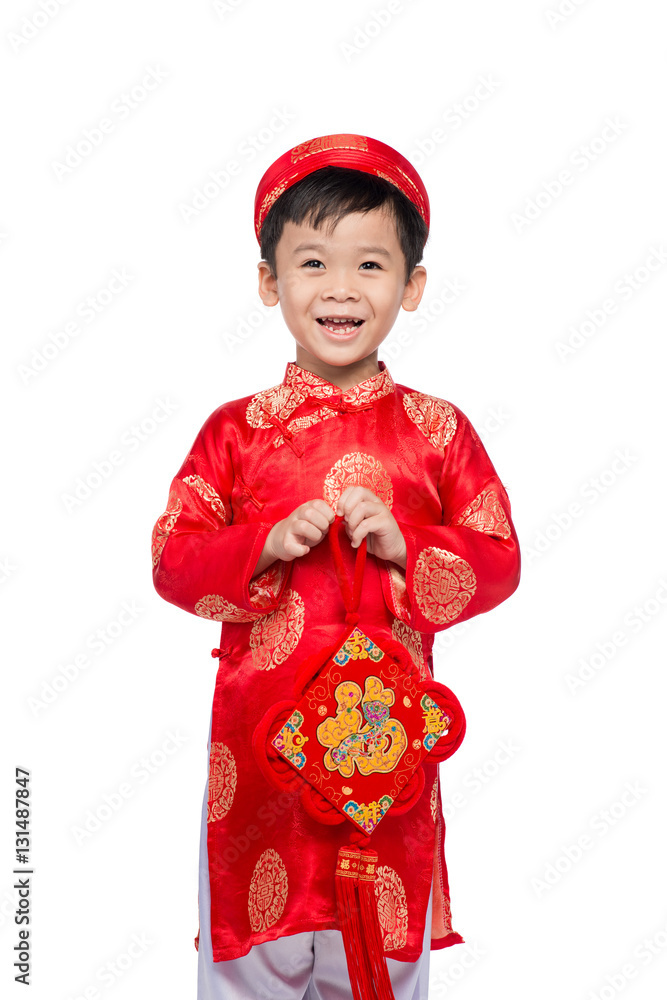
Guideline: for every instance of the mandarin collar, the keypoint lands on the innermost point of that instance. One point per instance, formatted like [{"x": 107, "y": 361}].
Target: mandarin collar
[{"x": 306, "y": 383}]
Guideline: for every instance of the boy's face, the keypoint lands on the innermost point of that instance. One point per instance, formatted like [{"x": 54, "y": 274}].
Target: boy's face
[{"x": 355, "y": 274}]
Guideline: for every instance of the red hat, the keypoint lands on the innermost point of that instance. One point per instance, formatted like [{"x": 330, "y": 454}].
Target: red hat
[{"x": 359, "y": 152}]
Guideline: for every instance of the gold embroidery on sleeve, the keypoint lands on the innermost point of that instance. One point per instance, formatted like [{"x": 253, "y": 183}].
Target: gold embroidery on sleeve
[
  {"x": 221, "y": 782},
  {"x": 435, "y": 418},
  {"x": 218, "y": 609},
  {"x": 443, "y": 584},
  {"x": 264, "y": 589},
  {"x": 276, "y": 636},
  {"x": 165, "y": 525},
  {"x": 399, "y": 590},
  {"x": 208, "y": 494},
  {"x": 392, "y": 907},
  {"x": 486, "y": 514},
  {"x": 412, "y": 640},
  {"x": 267, "y": 894},
  {"x": 358, "y": 469}
]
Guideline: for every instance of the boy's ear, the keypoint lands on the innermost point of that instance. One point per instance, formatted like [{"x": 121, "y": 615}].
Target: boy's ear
[
  {"x": 268, "y": 284},
  {"x": 414, "y": 289}
]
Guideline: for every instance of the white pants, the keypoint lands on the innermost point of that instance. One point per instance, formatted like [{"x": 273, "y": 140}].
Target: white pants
[{"x": 306, "y": 966}]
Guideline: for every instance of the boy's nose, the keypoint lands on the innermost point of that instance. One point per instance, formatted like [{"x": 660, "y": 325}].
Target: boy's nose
[{"x": 340, "y": 290}]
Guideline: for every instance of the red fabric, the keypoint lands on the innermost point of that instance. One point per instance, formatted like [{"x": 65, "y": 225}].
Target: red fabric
[
  {"x": 359, "y": 152},
  {"x": 256, "y": 459}
]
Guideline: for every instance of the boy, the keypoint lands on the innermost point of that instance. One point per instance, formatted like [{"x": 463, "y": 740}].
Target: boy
[{"x": 342, "y": 221}]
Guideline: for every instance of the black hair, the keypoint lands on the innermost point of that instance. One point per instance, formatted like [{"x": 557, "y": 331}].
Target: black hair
[{"x": 330, "y": 193}]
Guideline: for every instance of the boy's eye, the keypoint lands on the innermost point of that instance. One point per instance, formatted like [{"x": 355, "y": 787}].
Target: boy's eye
[
  {"x": 370, "y": 263},
  {"x": 313, "y": 263}
]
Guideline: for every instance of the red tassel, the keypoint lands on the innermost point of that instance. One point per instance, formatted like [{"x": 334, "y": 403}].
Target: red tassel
[
  {"x": 359, "y": 924},
  {"x": 371, "y": 927},
  {"x": 347, "y": 875}
]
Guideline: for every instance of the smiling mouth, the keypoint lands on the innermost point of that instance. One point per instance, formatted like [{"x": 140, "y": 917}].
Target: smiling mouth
[{"x": 340, "y": 325}]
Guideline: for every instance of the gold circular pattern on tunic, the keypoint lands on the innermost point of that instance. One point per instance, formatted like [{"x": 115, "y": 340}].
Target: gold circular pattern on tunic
[
  {"x": 165, "y": 525},
  {"x": 412, "y": 641},
  {"x": 208, "y": 495},
  {"x": 276, "y": 635},
  {"x": 218, "y": 609},
  {"x": 221, "y": 781},
  {"x": 486, "y": 514},
  {"x": 435, "y": 418},
  {"x": 443, "y": 584},
  {"x": 358, "y": 469},
  {"x": 392, "y": 907},
  {"x": 268, "y": 891}
]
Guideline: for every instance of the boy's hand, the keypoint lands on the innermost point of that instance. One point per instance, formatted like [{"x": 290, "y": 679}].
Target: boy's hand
[
  {"x": 366, "y": 515},
  {"x": 295, "y": 535}
]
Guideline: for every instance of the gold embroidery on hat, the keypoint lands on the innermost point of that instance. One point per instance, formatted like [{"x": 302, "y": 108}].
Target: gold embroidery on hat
[{"x": 324, "y": 142}]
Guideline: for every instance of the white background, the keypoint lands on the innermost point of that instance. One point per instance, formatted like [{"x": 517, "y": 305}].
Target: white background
[{"x": 581, "y": 432}]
